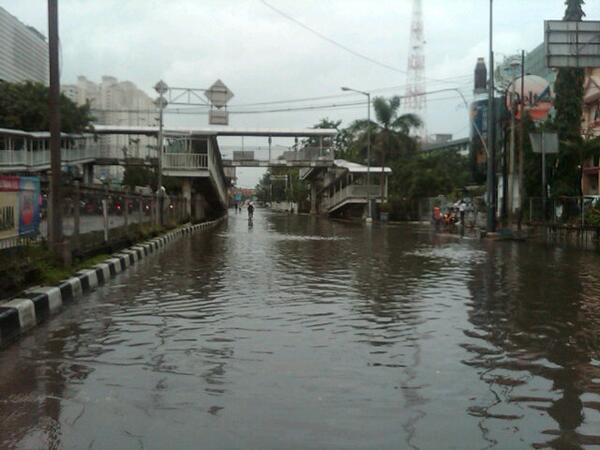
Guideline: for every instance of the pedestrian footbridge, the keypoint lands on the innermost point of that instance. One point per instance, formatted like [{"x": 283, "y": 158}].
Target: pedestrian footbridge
[
  {"x": 192, "y": 154},
  {"x": 345, "y": 188}
]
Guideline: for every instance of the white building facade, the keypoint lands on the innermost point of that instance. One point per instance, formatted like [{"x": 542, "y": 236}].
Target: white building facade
[
  {"x": 23, "y": 51},
  {"x": 115, "y": 102}
]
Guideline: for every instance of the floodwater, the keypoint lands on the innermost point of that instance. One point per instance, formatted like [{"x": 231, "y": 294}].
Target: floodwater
[{"x": 301, "y": 333}]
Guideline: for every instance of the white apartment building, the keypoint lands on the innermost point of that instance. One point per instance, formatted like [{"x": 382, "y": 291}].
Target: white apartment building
[
  {"x": 23, "y": 51},
  {"x": 115, "y": 102}
]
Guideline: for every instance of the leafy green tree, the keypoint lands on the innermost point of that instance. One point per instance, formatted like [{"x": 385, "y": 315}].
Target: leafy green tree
[
  {"x": 569, "y": 108},
  {"x": 139, "y": 176},
  {"x": 390, "y": 133},
  {"x": 337, "y": 143},
  {"x": 263, "y": 188},
  {"x": 24, "y": 106},
  {"x": 292, "y": 190},
  {"x": 574, "y": 10}
]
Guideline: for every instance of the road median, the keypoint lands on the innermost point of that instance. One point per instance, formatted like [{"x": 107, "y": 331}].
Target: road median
[{"x": 35, "y": 305}]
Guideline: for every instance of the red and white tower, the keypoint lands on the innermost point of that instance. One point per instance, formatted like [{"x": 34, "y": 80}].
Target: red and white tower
[{"x": 415, "y": 100}]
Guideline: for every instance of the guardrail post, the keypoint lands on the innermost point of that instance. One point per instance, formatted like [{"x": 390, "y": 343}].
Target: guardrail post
[
  {"x": 141, "y": 208},
  {"x": 530, "y": 210},
  {"x": 126, "y": 210},
  {"x": 154, "y": 209},
  {"x": 76, "y": 212},
  {"x": 105, "y": 217}
]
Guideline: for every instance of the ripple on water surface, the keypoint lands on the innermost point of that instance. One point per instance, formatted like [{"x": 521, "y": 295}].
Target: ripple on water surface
[{"x": 304, "y": 333}]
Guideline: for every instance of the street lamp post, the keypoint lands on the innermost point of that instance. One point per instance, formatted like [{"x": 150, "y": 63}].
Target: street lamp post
[
  {"x": 161, "y": 88},
  {"x": 368, "y": 95}
]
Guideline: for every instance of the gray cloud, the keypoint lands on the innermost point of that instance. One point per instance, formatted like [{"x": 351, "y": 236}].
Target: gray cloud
[{"x": 262, "y": 56}]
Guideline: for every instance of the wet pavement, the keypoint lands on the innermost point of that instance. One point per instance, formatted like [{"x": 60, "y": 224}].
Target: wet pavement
[{"x": 300, "y": 333}]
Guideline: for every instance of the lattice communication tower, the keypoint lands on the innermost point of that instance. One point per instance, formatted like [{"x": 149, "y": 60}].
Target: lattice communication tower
[{"x": 415, "y": 100}]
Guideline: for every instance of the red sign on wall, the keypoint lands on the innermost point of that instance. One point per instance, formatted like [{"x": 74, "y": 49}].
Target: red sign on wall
[{"x": 9, "y": 183}]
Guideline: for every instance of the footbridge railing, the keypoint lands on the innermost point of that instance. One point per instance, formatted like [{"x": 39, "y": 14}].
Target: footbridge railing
[
  {"x": 40, "y": 159},
  {"x": 185, "y": 161},
  {"x": 353, "y": 193},
  {"x": 217, "y": 175}
]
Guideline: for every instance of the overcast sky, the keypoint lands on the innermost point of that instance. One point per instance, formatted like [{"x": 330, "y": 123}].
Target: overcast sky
[{"x": 262, "y": 56}]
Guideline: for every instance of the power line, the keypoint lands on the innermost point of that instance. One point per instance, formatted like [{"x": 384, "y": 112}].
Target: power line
[
  {"x": 338, "y": 44},
  {"x": 340, "y": 106},
  {"x": 337, "y": 107},
  {"x": 326, "y": 97},
  {"x": 345, "y": 105}
]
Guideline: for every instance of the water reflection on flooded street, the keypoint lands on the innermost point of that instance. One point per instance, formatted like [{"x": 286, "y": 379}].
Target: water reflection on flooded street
[{"x": 307, "y": 334}]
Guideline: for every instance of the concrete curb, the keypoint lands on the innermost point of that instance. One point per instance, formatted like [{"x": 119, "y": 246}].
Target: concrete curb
[{"x": 35, "y": 305}]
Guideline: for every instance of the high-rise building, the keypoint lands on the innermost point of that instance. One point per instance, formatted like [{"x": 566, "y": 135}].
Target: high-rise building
[
  {"x": 115, "y": 102},
  {"x": 535, "y": 64},
  {"x": 23, "y": 51}
]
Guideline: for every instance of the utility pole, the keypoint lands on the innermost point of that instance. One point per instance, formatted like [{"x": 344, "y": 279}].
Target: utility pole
[
  {"x": 55, "y": 235},
  {"x": 368, "y": 95},
  {"x": 161, "y": 88},
  {"x": 511, "y": 157},
  {"x": 369, "y": 203},
  {"x": 491, "y": 156},
  {"x": 521, "y": 141}
]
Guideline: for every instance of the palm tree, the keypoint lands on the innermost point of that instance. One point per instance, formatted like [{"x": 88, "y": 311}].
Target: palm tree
[{"x": 392, "y": 131}]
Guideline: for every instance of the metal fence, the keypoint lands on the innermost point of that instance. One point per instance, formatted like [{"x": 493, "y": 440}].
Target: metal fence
[
  {"x": 106, "y": 214},
  {"x": 573, "y": 211},
  {"x": 17, "y": 241}
]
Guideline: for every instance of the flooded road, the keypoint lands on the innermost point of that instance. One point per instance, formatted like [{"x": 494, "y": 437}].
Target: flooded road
[{"x": 301, "y": 333}]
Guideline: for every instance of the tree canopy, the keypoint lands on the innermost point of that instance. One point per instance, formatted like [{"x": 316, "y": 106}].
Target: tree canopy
[
  {"x": 390, "y": 133},
  {"x": 24, "y": 106},
  {"x": 415, "y": 174},
  {"x": 574, "y": 10},
  {"x": 569, "y": 89}
]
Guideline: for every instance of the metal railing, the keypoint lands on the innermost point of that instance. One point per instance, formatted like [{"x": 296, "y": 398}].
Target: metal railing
[
  {"x": 215, "y": 168},
  {"x": 574, "y": 211},
  {"x": 36, "y": 158},
  {"x": 91, "y": 216},
  {"x": 185, "y": 161},
  {"x": 190, "y": 161},
  {"x": 309, "y": 154},
  {"x": 277, "y": 153},
  {"x": 351, "y": 192}
]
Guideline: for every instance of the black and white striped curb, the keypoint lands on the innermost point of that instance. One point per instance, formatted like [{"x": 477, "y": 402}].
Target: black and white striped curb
[{"x": 35, "y": 305}]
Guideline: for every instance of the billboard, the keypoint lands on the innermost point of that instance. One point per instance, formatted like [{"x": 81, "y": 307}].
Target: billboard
[
  {"x": 537, "y": 99},
  {"x": 479, "y": 119},
  {"x": 572, "y": 44},
  {"x": 19, "y": 206},
  {"x": 29, "y": 205},
  {"x": 9, "y": 207}
]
